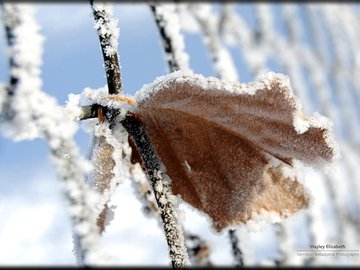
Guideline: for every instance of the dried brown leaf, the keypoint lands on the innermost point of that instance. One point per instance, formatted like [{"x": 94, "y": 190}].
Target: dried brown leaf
[{"x": 218, "y": 146}]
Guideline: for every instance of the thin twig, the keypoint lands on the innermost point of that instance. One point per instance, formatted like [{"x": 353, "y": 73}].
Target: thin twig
[
  {"x": 237, "y": 253},
  {"x": 108, "y": 42},
  {"x": 165, "y": 201},
  {"x": 167, "y": 22},
  {"x": 284, "y": 238},
  {"x": 11, "y": 23}
]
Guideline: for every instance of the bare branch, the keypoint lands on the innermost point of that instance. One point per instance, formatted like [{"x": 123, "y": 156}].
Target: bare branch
[
  {"x": 164, "y": 199},
  {"x": 237, "y": 253},
  {"x": 108, "y": 32},
  {"x": 167, "y": 22}
]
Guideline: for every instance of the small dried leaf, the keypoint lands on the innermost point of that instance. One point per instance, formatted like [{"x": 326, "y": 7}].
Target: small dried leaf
[
  {"x": 103, "y": 165},
  {"x": 103, "y": 173},
  {"x": 218, "y": 141}
]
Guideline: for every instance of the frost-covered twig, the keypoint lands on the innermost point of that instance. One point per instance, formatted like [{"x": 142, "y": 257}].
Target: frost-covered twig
[
  {"x": 236, "y": 32},
  {"x": 165, "y": 200},
  {"x": 199, "y": 250},
  {"x": 167, "y": 22},
  {"x": 316, "y": 64},
  {"x": 35, "y": 114},
  {"x": 285, "y": 244},
  {"x": 345, "y": 88},
  {"x": 106, "y": 27},
  {"x": 10, "y": 23},
  {"x": 209, "y": 21},
  {"x": 237, "y": 253},
  {"x": 345, "y": 91},
  {"x": 320, "y": 43},
  {"x": 144, "y": 191}
]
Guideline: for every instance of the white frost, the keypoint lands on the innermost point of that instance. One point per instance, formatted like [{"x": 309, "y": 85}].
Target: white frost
[
  {"x": 32, "y": 113},
  {"x": 72, "y": 108},
  {"x": 117, "y": 137},
  {"x": 106, "y": 27},
  {"x": 2, "y": 95},
  {"x": 209, "y": 21},
  {"x": 167, "y": 14},
  {"x": 264, "y": 81},
  {"x": 236, "y": 31},
  {"x": 210, "y": 83},
  {"x": 100, "y": 96},
  {"x": 187, "y": 22}
]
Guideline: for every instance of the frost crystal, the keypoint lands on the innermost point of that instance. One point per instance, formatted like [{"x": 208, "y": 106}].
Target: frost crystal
[
  {"x": 106, "y": 28},
  {"x": 72, "y": 108}
]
